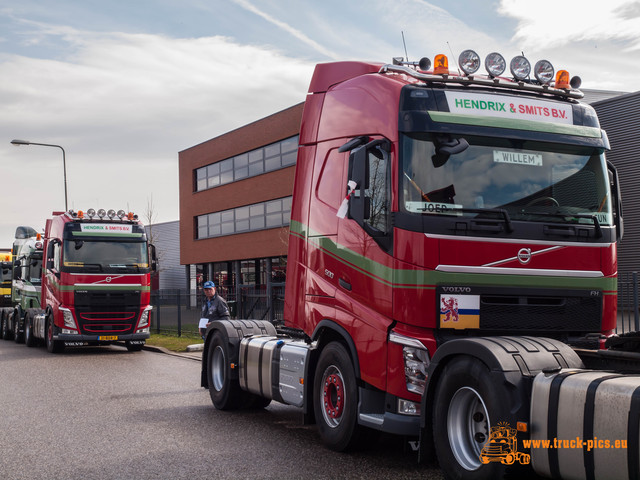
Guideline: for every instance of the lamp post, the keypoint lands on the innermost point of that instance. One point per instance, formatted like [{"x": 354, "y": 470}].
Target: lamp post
[{"x": 17, "y": 143}]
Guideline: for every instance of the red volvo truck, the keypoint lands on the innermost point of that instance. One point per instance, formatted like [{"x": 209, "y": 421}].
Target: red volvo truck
[
  {"x": 452, "y": 236},
  {"x": 95, "y": 284}
]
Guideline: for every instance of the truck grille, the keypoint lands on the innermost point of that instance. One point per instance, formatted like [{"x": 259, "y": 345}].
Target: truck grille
[
  {"x": 542, "y": 310},
  {"x": 107, "y": 312}
]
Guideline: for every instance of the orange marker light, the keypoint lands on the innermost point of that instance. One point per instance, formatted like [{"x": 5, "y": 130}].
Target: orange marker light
[
  {"x": 38, "y": 237},
  {"x": 522, "y": 426},
  {"x": 80, "y": 214},
  {"x": 562, "y": 79},
  {"x": 441, "y": 64}
]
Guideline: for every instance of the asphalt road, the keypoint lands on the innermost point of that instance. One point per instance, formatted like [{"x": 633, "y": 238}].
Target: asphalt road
[{"x": 105, "y": 413}]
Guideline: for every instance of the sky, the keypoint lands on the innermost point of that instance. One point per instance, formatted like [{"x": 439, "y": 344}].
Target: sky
[{"x": 123, "y": 86}]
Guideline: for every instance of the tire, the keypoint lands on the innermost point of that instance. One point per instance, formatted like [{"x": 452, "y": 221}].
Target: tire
[
  {"x": 7, "y": 334},
  {"x": 336, "y": 399},
  {"x": 467, "y": 403},
  {"x": 3, "y": 326},
  {"x": 29, "y": 339},
  {"x": 225, "y": 392},
  {"x": 18, "y": 336},
  {"x": 134, "y": 347},
  {"x": 53, "y": 346}
]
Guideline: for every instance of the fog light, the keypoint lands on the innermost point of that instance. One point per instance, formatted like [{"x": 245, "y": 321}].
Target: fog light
[
  {"x": 405, "y": 407},
  {"x": 66, "y": 331}
]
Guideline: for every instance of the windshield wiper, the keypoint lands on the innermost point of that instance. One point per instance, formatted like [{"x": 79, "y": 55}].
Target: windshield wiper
[
  {"x": 596, "y": 222},
  {"x": 99, "y": 265},
  {"x": 499, "y": 211}
]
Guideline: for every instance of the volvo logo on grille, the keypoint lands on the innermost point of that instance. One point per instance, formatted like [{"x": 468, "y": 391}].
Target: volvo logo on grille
[{"x": 524, "y": 255}]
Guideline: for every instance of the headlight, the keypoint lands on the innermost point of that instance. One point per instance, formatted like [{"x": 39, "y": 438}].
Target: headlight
[
  {"x": 416, "y": 361},
  {"x": 144, "y": 323},
  {"x": 69, "y": 322}
]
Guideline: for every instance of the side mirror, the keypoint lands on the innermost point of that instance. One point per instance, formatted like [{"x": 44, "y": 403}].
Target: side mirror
[
  {"x": 154, "y": 259},
  {"x": 359, "y": 174},
  {"x": 617, "y": 200}
]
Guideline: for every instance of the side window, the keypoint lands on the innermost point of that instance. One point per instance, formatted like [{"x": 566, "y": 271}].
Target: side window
[
  {"x": 56, "y": 256},
  {"x": 53, "y": 256},
  {"x": 370, "y": 204},
  {"x": 378, "y": 190}
]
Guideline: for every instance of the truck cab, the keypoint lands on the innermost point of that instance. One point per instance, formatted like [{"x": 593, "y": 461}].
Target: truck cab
[{"x": 96, "y": 284}]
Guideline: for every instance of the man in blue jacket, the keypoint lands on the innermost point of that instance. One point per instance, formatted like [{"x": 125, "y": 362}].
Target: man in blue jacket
[{"x": 214, "y": 307}]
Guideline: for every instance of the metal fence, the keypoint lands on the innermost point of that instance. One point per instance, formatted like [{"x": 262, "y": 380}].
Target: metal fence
[
  {"x": 628, "y": 303},
  {"x": 178, "y": 311}
]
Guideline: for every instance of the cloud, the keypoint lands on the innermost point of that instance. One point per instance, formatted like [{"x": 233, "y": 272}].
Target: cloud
[
  {"x": 545, "y": 25},
  {"x": 296, "y": 33},
  {"x": 122, "y": 106}
]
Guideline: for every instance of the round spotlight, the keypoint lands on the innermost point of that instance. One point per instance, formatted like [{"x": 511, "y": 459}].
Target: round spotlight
[
  {"x": 424, "y": 64},
  {"x": 469, "y": 62},
  {"x": 91, "y": 213},
  {"x": 495, "y": 64},
  {"x": 111, "y": 213},
  {"x": 101, "y": 213},
  {"x": 121, "y": 213},
  {"x": 520, "y": 68},
  {"x": 543, "y": 71}
]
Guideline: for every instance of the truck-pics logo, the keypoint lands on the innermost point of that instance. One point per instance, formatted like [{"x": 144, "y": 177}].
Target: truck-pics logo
[{"x": 503, "y": 446}]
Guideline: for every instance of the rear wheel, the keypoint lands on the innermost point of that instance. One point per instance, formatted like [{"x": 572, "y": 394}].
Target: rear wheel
[
  {"x": 53, "y": 346},
  {"x": 467, "y": 404},
  {"x": 18, "y": 336},
  {"x": 7, "y": 333},
  {"x": 336, "y": 401},
  {"x": 225, "y": 392}
]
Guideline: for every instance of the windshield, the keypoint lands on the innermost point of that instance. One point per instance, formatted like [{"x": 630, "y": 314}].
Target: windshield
[
  {"x": 531, "y": 181},
  {"x": 34, "y": 269},
  {"x": 105, "y": 256}
]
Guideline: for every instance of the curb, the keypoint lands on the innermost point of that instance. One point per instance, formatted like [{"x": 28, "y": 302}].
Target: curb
[{"x": 156, "y": 349}]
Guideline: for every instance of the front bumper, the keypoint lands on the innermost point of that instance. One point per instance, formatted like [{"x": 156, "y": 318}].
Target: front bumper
[{"x": 74, "y": 338}]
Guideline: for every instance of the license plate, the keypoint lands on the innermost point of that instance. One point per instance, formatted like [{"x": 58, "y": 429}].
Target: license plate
[{"x": 108, "y": 337}]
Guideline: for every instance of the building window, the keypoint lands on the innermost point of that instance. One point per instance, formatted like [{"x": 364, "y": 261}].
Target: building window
[
  {"x": 248, "y": 218},
  {"x": 249, "y": 164}
]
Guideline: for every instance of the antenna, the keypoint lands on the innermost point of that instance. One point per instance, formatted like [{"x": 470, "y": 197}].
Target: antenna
[
  {"x": 453, "y": 57},
  {"x": 406, "y": 55}
]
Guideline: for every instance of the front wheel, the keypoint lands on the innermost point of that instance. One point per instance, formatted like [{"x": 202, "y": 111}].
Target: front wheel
[
  {"x": 336, "y": 402},
  {"x": 53, "y": 346},
  {"x": 29, "y": 339},
  {"x": 467, "y": 404},
  {"x": 134, "y": 347}
]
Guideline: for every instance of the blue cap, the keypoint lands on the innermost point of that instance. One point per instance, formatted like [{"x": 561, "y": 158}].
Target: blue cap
[{"x": 209, "y": 284}]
